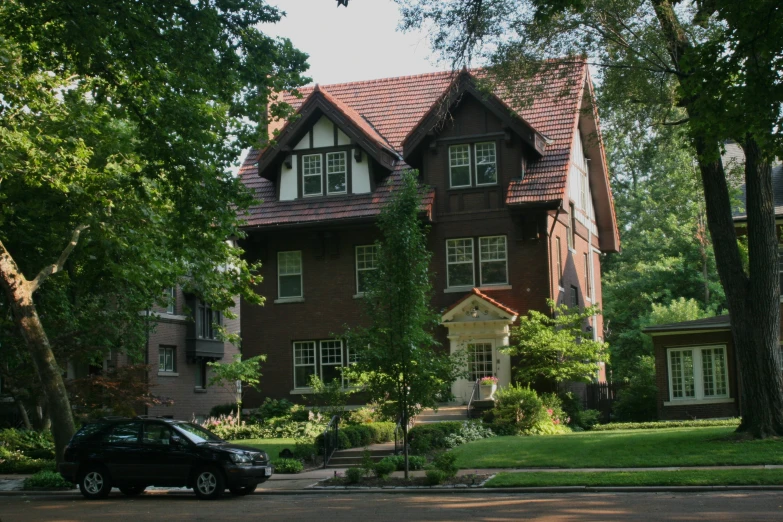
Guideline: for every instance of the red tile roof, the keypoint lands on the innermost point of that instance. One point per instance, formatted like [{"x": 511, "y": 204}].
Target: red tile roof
[
  {"x": 485, "y": 297},
  {"x": 388, "y": 109}
]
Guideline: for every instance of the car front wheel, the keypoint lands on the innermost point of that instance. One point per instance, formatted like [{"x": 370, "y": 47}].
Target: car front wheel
[
  {"x": 94, "y": 483},
  {"x": 209, "y": 484}
]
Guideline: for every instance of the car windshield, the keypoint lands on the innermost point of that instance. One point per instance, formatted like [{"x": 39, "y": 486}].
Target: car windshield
[{"x": 196, "y": 433}]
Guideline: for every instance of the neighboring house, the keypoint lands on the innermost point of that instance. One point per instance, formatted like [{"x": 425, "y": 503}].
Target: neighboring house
[
  {"x": 518, "y": 202},
  {"x": 695, "y": 365}
]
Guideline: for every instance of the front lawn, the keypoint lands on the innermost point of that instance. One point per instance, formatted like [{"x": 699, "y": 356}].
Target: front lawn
[
  {"x": 617, "y": 449},
  {"x": 718, "y": 477},
  {"x": 272, "y": 446}
]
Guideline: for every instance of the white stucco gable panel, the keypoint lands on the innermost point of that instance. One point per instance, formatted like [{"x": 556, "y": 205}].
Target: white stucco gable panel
[
  {"x": 323, "y": 133},
  {"x": 360, "y": 174},
  {"x": 288, "y": 181},
  {"x": 342, "y": 138},
  {"x": 475, "y": 309}
]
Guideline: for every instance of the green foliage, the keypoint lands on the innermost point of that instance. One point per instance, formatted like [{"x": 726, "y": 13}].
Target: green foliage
[
  {"x": 414, "y": 462},
  {"x": 32, "y": 444},
  {"x": 330, "y": 397},
  {"x": 305, "y": 449},
  {"x": 384, "y": 468},
  {"x": 435, "y": 477},
  {"x": 446, "y": 463},
  {"x": 615, "y": 426},
  {"x": 356, "y": 436},
  {"x": 424, "y": 438},
  {"x": 517, "y": 410},
  {"x": 46, "y": 480},
  {"x": 470, "y": 431},
  {"x": 578, "y": 418},
  {"x": 14, "y": 461},
  {"x": 227, "y": 375},
  {"x": 555, "y": 421},
  {"x": 556, "y": 348},
  {"x": 354, "y": 475},
  {"x": 230, "y": 427},
  {"x": 229, "y": 408},
  {"x": 271, "y": 408},
  {"x": 368, "y": 464},
  {"x": 363, "y": 415},
  {"x": 636, "y": 401},
  {"x": 288, "y": 466}
]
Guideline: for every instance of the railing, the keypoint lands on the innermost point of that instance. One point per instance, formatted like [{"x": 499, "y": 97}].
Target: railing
[
  {"x": 473, "y": 395},
  {"x": 331, "y": 438}
]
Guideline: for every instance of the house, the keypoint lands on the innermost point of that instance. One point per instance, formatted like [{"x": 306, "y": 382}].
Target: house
[
  {"x": 695, "y": 366},
  {"x": 518, "y": 201}
]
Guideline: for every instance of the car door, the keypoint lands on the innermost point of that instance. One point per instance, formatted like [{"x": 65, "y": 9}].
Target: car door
[
  {"x": 122, "y": 452},
  {"x": 166, "y": 456}
]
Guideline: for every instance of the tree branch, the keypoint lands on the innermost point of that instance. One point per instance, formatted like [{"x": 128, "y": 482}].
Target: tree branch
[{"x": 56, "y": 267}]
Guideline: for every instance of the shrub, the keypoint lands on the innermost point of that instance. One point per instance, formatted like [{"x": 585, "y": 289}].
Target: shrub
[
  {"x": 274, "y": 408},
  {"x": 589, "y": 418},
  {"x": 361, "y": 415},
  {"x": 381, "y": 431},
  {"x": 33, "y": 444},
  {"x": 428, "y": 437},
  {"x": 367, "y": 465},
  {"x": 17, "y": 462},
  {"x": 469, "y": 432},
  {"x": 305, "y": 449},
  {"x": 384, "y": 468},
  {"x": 301, "y": 414},
  {"x": 414, "y": 462},
  {"x": 356, "y": 436},
  {"x": 636, "y": 402},
  {"x": 435, "y": 477},
  {"x": 286, "y": 466},
  {"x": 667, "y": 424},
  {"x": 231, "y": 427},
  {"x": 229, "y": 408},
  {"x": 517, "y": 410},
  {"x": 46, "y": 480},
  {"x": 354, "y": 475},
  {"x": 446, "y": 462}
]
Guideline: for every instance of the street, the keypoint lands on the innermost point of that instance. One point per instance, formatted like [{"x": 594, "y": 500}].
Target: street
[{"x": 729, "y": 506}]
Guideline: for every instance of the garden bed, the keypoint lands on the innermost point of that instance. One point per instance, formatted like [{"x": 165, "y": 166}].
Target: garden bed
[{"x": 465, "y": 481}]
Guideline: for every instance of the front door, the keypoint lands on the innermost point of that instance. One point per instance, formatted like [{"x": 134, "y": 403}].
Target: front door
[{"x": 481, "y": 363}]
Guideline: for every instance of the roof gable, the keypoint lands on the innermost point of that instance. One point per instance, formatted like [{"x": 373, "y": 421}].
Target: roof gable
[{"x": 478, "y": 307}]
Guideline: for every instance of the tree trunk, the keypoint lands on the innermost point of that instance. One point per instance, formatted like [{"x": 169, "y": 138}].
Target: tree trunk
[{"x": 23, "y": 413}]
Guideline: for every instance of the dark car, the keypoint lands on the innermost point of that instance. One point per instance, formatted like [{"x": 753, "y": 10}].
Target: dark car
[{"x": 131, "y": 454}]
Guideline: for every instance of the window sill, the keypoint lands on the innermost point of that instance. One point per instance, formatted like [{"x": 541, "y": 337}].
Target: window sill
[
  {"x": 284, "y": 300},
  {"x": 199, "y": 389},
  {"x": 489, "y": 288},
  {"x": 693, "y": 402},
  {"x": 168, "y": 374},
  {"x": 457, "y": 289},
  {"x": 358, "y": 296}
]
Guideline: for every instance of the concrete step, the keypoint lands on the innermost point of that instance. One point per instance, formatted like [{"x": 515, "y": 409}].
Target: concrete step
[
  {"x": 429, "y": 419},
  {"x": 443, "y": 410}
]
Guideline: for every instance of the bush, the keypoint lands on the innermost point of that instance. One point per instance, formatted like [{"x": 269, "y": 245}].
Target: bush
[
  {"x": 356, "y": 436},
  {"x": 469, "y": 432},
  {"x": 517, "y": 410},
  {"x": 18, "y": 462},
  {"x": 301, "y": 414},
  {"x": 428, "y": 437},
  {"x": 588, "y": 419},
  {"x": 287, "y": 466},
  {"x": 305, "y": 449},
  {"x": 446, "y": 462},
  {"x": 229, "y": 408},
  {"x": 275, "y": 408},
  {"x": 361, "y": 415},
  {"x": 46, "y": 480},
  {"x": 33, "y": 444},
  {"x": 384, "y": 468},
  {"x": 705, "y": 423},
  {"x": 435, "y": 477},
  {"x": 354, "y": 475},
  {"x": 637, "y": 402},
  {"x": 414, "y": 462}
]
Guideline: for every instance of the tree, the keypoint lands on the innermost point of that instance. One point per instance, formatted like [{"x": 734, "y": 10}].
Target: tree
[
  {"x": 235, "y": 376},
  {"x": 711, "y": 66},
  {"x": 118, "y": 122},
  {"x": 396, "y": 358},
  {"x": 554, "y": 348}
]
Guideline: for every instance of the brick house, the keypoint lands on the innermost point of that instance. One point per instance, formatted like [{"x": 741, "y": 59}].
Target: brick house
[
  {"x": 695, "y": 366},
  {"x": 518, "y": 201}
]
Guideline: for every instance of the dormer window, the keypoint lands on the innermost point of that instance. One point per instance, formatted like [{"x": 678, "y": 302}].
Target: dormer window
[
  {"x": 474, "y": 165},
  {"x": 312, "y": 175},
  {"x": 336, "y": 180}
]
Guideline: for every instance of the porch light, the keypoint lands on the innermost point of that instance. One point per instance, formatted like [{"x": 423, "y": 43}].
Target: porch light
[{"x": 474, "y": 312}]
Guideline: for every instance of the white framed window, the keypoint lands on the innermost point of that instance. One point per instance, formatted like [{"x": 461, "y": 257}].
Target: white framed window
[
  {"x": 486, "y": 164},
  {"x": 480, "y": 361},
  {"x": 207, "y": 321},
  {"x": 459, "y": 166},
  {"x": 698, "y": 372},
  {"x": 289, "y": 274},
  {"x": 336, "y": 173},
  {"x": 304, "y": 363},
  {"x": 460, "y": 269},
  {"x": 493, "y": 264},
  {"x": 366, "y": 262},
  {"x": 171, "y": 300},
  {"x": 167, "y": 359},
  {"x": 312, "y": 175},
  {"x": 331, "y": 360}
]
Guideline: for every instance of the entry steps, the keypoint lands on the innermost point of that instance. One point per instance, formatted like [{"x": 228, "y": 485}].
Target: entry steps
[{"x": 352, "y": 458}]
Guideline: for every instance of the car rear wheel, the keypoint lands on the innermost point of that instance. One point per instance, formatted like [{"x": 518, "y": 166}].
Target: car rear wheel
[
  {"x": 132, "y": 491},
  {"x": 209, "y": 484},
  {"x": 94, "y": 483},
  {"x": 241, "y": 491}
]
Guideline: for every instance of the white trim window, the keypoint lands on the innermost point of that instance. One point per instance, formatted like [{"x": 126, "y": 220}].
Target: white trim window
[
  {"x": 460, "y": 269},
  {"x": 304, "y": 363},
  {"x": 480, "y": 361},
  {"x": 336, "y": 173},
  {"x": 366, "y": 262},
  {"x": 171, "y": 300},
  {"x": 167, "y": 359},
  {"x": 289, "y": 274},
  {"x": 312, "y": 175},
  {"x": 493, "y": 262},
  {"x": 486, "y": 163},
  {"x": 331, "y": 360},
  {"x": 698, "y": 372},
  {"x": 459, "y": 166}
]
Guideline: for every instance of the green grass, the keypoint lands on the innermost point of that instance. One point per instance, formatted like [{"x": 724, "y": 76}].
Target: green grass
[
  {"x": 272, "y": 446},
  {"x": 617, "y": 449},
  {"x": 720, "y": 477}
]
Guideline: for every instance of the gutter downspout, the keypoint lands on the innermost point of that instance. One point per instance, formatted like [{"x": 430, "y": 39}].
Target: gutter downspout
[{"x": 549, "y": 241}]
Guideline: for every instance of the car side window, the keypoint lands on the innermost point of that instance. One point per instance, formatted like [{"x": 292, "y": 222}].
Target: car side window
[
  {"x": 124, "y": 432},
  {"x": 156, "y": 433}
]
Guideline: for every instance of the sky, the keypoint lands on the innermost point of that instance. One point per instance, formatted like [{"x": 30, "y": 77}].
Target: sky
[{"x": 360, "y": 42}]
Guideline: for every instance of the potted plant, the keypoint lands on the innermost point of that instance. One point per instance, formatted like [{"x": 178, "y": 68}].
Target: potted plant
[{"x": 488, "y": 386}]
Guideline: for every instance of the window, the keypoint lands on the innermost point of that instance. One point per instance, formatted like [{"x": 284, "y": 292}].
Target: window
[
  {"x": 289, "y": 274},
  {"x": 572, "y": 228},
  {"x": 331, "y": 360},
  {"x": 167, "y": 359},
  {"x": 201, "y": 375},
  {"x": 486, "y": 164},
  {"x": 459, "y": 262},
  {"x": 171, "y": 300},
  {"x": 366, "y": 262},
  {"x": 304, "y": 363},
  {"x": 158, "y": 434},
  {"x": 492, "y": 253},
  {"x": 480, "y": 360},
  {"x": 559, "y": 261},
  {"x": 206, "y": 321},
  {"x": 574, "y": 296},
  {"x": 588, "y": 289},
  {"x": 312, "y": 175},
  {"x": 459, "y": 166},
  {"x": 336, "y": 173},
  {"x": 698, "y": 373},
  {"x": 125, "y": 432},
  {"x": 484, "y": 171}
]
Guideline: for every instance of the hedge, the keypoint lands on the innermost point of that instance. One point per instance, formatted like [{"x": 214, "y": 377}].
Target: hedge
[
  {"x": 427, "y": 437},
  {"x": 360, "y": 435},
  {"x": 704, "y": 423}
]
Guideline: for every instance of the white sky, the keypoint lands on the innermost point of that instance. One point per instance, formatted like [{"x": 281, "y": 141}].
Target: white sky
[{"x": 357, "y": 43}]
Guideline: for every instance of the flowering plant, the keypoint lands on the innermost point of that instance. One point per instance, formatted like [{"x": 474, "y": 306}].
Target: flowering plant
[{"x": 488, "y": 381}]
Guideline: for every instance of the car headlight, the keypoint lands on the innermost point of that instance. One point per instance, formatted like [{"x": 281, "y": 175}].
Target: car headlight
[
  {"x": 264, "y": 456},
  {"x": 242, "y": 459}
]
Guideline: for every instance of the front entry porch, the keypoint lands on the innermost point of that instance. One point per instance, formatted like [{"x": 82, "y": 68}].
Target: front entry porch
[{"x": 479, "y": 326}]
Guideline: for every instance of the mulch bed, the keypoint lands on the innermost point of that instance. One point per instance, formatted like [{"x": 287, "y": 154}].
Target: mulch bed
[{"x": 399, "y": 482}]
